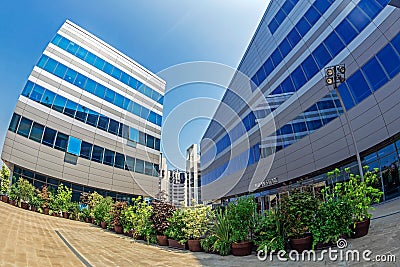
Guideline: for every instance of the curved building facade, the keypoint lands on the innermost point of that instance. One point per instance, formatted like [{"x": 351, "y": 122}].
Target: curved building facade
[
  {"x": 299, "y": 131},
  {"x": 89, "y": 117}
]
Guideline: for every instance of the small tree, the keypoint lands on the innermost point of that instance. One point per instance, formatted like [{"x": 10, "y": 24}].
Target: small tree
[
  {"x": 46, "y": 197},
  {"x": 63, "y": 198},
  {"x": 26, "y": 190},
  {"x": 159, "y": 218},
  {"x": 4, "y": 180},
  {"x": 197, "y": 220}
]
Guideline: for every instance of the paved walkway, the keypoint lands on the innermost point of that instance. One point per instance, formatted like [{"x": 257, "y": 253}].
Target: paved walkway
[{"x": 32, "y": 239}]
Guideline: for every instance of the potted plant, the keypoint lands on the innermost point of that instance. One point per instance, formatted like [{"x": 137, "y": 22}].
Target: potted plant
[
  {"x": 174, "y": 231},
  {"x": 218, "y": 240},
  {"x": 268, "y": 232},
  {"x": 143, "y": 224},
  {"x": 35, "y": 201},
  {"x": 45, "y": 196},
  {"x": 4, "y": 189},
  {"x": 298, "y": 211},
  {"x": 116, "y": 210},
  {"x": 26, "y": 191},
  {"x": 159, "y": 218},
  {"x": 74, "y": 209},
  {"x": 101, "y": 210},
  {"x": 14, "y": 194},
  {"x": 241, "y": 215},
  {"x": 84, "y": 215},
  {"x": 63, "y": 200},
  {"x": 93, "y": 200},
  {"x": 197, "y": 221}
]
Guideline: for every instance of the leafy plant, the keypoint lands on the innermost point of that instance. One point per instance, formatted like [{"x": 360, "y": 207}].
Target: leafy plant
[
  {"x": 74, "y": 209},
  {"x": 14, "y": 192},
  {"x": 208, "y": 242},
  {"x": 84, "y": 214},
  {"x": 115, "y": 212},
  {"x": 197, "y": 221},
  {"x": 159, "y": 218},
  {"x": 143, "y": 224},
  {"x": 46, "y": 196},
  {"x": 175, "y": 227},
  {"x": 4, "y": 180},
  {"x": 222, "y": 231},
  {"x": 268, "y": 231},
  {"x": 26, "y": 190},
  {"x": 102, "y": 209},
  {"x": 36, "y": 201},
  {"x": 240, "y": 215},
  {"x": 63, "y": 198}
]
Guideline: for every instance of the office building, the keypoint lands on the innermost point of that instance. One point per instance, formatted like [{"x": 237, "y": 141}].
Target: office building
[{"x": 193, "y": 179}]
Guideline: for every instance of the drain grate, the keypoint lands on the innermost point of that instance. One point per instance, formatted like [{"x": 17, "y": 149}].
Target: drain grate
[{"x": 80, "y": 257}]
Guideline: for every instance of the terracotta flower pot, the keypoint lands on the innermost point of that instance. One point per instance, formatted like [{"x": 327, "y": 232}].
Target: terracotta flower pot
[
  {"x": 320, "y": 245},
  {"x": 4, "y": 199},
  {"x": 361, "y": 228},
  {"x": 175, "y": 244},
  {"x": 65, "y": 215},
  {"x": 194, "y": 245},
  {"x": 46, "y": 211},
  {"x": 13, "y": 202},
  {"x": 24, "y": 205},
  {"x": 118, "y": 229},
  {"x": 87, "y": 220},
  {"x": 33, "y": 208},
  {"x": 241, "y": 249},
  {"x": 103, "y": 225},
  {"x": 162, "y": 240},
  {"x": 301, "y": 244}
]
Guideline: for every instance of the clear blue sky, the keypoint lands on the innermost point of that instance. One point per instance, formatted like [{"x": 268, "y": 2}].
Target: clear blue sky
[{"x": 156, "y": 33}]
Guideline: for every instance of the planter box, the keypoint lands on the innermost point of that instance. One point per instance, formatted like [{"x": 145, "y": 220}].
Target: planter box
[
  {"x": 103, "y": 225},
  {"x": 162, "y": 240},
  {"x": 175, "y": 244},
  {"x": 4, "y": 199}
]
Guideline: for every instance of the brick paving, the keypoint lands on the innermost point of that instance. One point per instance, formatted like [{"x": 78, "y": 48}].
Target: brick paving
[{"x": 29, "y": 239}]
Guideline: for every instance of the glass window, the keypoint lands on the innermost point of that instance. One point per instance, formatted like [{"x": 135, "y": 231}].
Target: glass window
[
  {"x": 298, "y": 78},
  {"x": 334, "y": 44},
  {"x": 125, "y": 78},
  {"x": 346, "y": 96},
  {"x": 287, "y": 85},
  {"x": 277, "y": 91},
  {"x": 310, "y": 67},
  {"x": 24, "y": 127},
  {"x": 90, "y": 86},
  {"x": 49, "y": 137},
  {"x": 303, "y": 26},
  {"x": 273, "y": 25},
  {"x": 325, "y": 104},
  {"x": 150, "y": 141},
  {"x": 74, "y": 146},
  {"x": 80, "y": 81},
  {"x": 108, "y": 68},
  {"x": 36, "y": 132},
  {"x": 358, "y": 18},
  {"x": 72, "y": 48},
  {"x": 276, "y": 57},
  {"x": 314, "y": 124},
  {"x": 110, "y": 96},
  {"x": 390, "y": 60},
  {"x": 100, "y": 91},
  {"x": 396, "y": 43},
  {"x": 358, "y": 86},
  {"x": 60, "y": 71},
  {"x": 99, "y": 63},
  {"x": 61, "y": 141},
  {"x": 28, "y": 88},
  {"x": 127, "y": 104},
  {"x": 97, "y": 154},
  {"x": 260, "y": 75},
  {"x": 158, "y": 119},
  {"x": 280, "y": 16},
  {"x": 130, "y": 164},
  {"x": 142, "y": 138},
  {"x": 81, "y": 113},
  {"x": 70, "y": 75},
  {"x": 139, "y": 166},
  {"x": 144, "y": 113},
  {"x": 322, "y": 56},
  {"x": 63, "y": 43},
  {"x": 14, "y": 122},
  {"x": 299, "y": 127},
  {"x": 92, "y": 118},
  {"x": 136, "y": 109},
  {"x": 48, "y": 98},
  {"x": 124, "y": 131},
  {"x": 148, "y": 168},
  {"x": 133, "y": 82},
  {"x": 70, "y": 108},
  {"x": 50, "y": 65},
  {"x": 285, "y": 47},
  {"x": 113, "y": 128},
  {"x": 374, "y": 74},
  {"x": 372, "y": 8},
  {"x": 157, "y": 144},
  {"x": 312, "y": 15},
  {"x": 133, "y": 134},
  {"x": 293, "y": 37},
  {"x": 156, "y": 171},
  {"x": 37, "y": 93},
  {"x": 109, "y": 157},
  {"x": 82, "y": 52},
  {"x": 287, "y": 129},
  {"x": 152, "y": 117},
  {"x": 119, "y": 160},
  {"x": 321, "y": 5},
  {"x": 103, "y": 122},
  {"x": 42, "y": 61},
  {"x": 287, "y": 7},
  {"x": 346, "y": 31},
  {"x": 268, "y": 66},
  {"x": 86, "y": 150},
  {"x": 119, "y": 100},
  {"x": 90, "y": 58},
  {"x": 116, "y": 73}
]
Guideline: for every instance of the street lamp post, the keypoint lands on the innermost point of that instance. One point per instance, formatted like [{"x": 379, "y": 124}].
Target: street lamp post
[{"x": 335, "y": 75}]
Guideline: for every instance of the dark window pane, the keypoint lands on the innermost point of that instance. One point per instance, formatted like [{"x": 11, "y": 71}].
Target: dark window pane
[
  {"x": 310, "y": 67},
  {"x": 293, "y": 37},
  {"x": 346, "y": 96},
  {"x": 36, "y": 132},
  {"x": 113, "y": 128},
  {"x": 321, "y": 5},
  {"x": 322, "y": 56},
  {"x": 14, "y": 122},
  {"x": 60, "y": 71},
  {"x": 358, "y": 86},
  {"x": 299, "y": 127},
  {"x": 97, "y": 154},
  {"x": 81, "y": 113},
  {"x": 125, "y": 78},
  {"x": 287, "y": 7},
  {"x": 303, "y": 26},
  {"x": 148, "y": 168},
  {"x": 287, "y": 129},
  {"x": 130, "y": 164},
  {"x": 298, "y": 78},
  {"x": 70, "y": 108},
  {"x": 276, "y": 57},
  {"x": 346, "y": 31},
  {"x": 59, "y": 103},
  {"x": 389, "y": 59},
  {"x": 70, "y": 75},
  {"x": 100, "y": 91},
  {"x": 280, "y": 16},
  {"x": 260, "y": 76},
  {"x": 109, "y": 157},
  {"x": 157, "y": 144},
  {"x": 372, "y": 8},
  {"x": 152, "y": 117},
  {"x": 285, "y": 47},
  {"x": 139, "y": 166},
  {"x": 120, "y": 129},
  {"x": 61, "y": 141},
  {"x": 287, "y": 85},
  {"x": 125, "y": 131},
  {"x": 312, "y": 15},
  {"x": 314, "y": 125},
  {"x": 48, "y": 98},
  {"x": 92, "y": 118},
  {"x": 396, "y": 43},
  {"x": 150, "y": 141},
  {"x": 42, "y": 61},
  {"x": 326, "y": 104},
  {"x": 358, "y": 19},
  {"x": 119, "y": 160},
  {"x": 49, "y": 136},
  {"x": 86, "y": 150},
  {"x": 24, "y": 127},
  {"x": 142, "y": 138},
  {"x": 103, "y": 122},
  {"x": 268, "y": 66},
  {"x": 273, "y": 25},
  {"x": 334, "y": 44},
  {"x": 374, "y": 74}
]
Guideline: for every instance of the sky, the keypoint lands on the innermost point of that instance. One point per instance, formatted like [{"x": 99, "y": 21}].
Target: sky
[{"x": 158, "y": 34}]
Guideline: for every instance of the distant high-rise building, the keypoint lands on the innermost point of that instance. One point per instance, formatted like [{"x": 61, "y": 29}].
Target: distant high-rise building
[
  {"x": 177, "y": 180},
  {"x": 193, "y": 179},
  {"x": 89, "y": 117}
]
